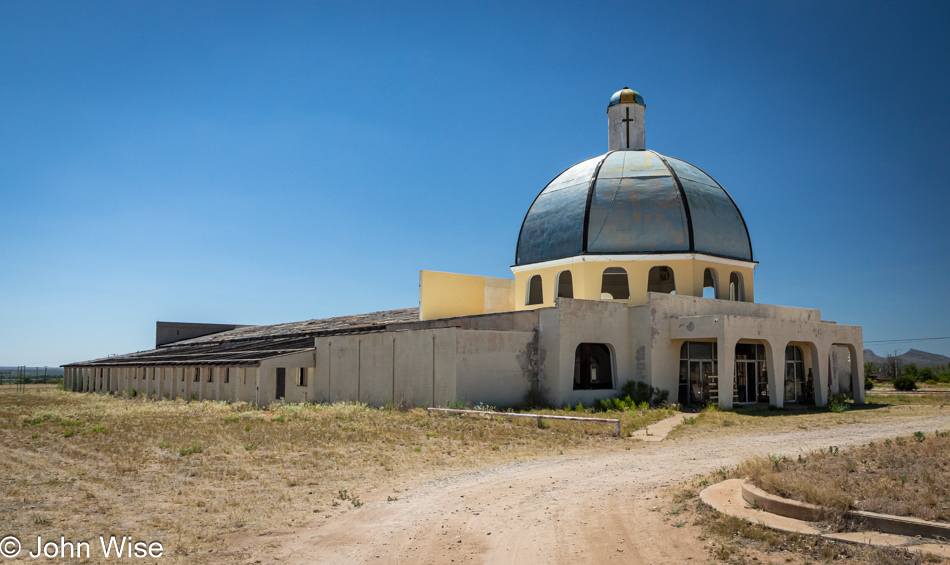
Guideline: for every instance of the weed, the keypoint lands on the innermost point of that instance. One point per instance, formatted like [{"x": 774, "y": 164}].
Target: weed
[
  {"x": 495, "y": 448},
  {"x": 164, "y": 445},
  {"x": 919, "y": 436},
  {"x": 392, "y": 498},
  {"x": 689, "y": 420},
  {"x": 69, "y": 433},
  {"x": 196, "y": 448},
  {"x": 41, "y": 521},
  {"x": 250, "y": 447}
]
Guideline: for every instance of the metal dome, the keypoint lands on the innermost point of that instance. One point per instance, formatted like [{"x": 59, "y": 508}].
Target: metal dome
[
  {"x": 632, "y": 202},
  {"x": 626, "y": 96}
]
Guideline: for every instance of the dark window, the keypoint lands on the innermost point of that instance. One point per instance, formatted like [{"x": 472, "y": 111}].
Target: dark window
[
  {"x": 614, "y": 284},
  {"x": 197, "y": 374},
  {"x": 227, "y": 375},
  {"x": 281, "y": 382},
  {"x": 593, "y": 368},
  {"x": 302, "y": 376},
  {"x": 565, "y": 285},
  {"x": 661, "y": 280},
  {"x": 535, "y": 294},
  {"x": 210, "y": 374}
]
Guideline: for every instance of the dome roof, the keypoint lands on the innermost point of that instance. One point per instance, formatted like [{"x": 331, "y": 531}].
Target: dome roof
[
  {"x": 632, "y": 202},
  {"x": 625, "y": 96}
]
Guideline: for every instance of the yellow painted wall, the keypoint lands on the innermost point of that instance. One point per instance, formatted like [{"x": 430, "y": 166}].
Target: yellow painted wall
[
  {"x": 447, "y": 295},
  {"x": 588, "y": 278}
]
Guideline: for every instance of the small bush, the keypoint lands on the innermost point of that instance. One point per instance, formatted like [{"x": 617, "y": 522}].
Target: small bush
[
  {"x": 905, "y": 383},
  {"x": 868, "y": 383},
  {"x": 196, "y": 448}
]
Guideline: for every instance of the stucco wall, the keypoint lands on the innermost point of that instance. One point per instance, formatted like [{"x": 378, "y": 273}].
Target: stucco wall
[
  {"x": 495, "y": 367},
  {"x": 413, "y": 366},
  {"x": 446, "y": 295}
]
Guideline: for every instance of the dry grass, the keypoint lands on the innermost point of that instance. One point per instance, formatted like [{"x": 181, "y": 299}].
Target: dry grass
[
  {"x": 932, "y": 398},
  {"x": 713, "y": 422},
  {"x": 82, "y": 465},
  {"x": 907, "y": 476}
]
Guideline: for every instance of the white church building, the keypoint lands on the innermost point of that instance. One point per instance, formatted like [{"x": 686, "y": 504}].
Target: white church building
[{"x": 629, "y": 266}]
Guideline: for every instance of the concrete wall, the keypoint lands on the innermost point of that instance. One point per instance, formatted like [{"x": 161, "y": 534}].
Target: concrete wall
[
  {"x": 447, "y": 295},
  {"x": 265, "y": 387},
  {"x": 496, "y": 367},
  {"x": 413, "y": 366},
  {"x": 589, "y": 321}
]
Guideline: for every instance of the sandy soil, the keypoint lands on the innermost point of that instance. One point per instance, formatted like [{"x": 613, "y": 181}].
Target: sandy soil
[{"x": 588, "y": 507}]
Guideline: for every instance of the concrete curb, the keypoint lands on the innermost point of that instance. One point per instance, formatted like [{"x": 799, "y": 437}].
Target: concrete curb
[
  {"x": 887, "y": 523},
  {"x": 728, "y": 497}
]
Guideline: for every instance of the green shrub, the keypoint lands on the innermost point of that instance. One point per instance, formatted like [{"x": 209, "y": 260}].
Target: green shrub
[
  {"x": 905, "y": 383},
  {"x": 926, "y": 374},
  {"x": 868, "y": 383}
]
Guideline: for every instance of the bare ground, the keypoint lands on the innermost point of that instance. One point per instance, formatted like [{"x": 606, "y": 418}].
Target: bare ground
[{"x": 583, "y": 507}]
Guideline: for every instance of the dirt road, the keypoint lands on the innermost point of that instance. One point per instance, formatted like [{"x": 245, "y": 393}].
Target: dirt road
[{"x": 591, "y": 508}]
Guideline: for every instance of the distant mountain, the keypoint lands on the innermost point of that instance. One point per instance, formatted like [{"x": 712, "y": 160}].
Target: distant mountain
[{"x": 920, "y": 358}]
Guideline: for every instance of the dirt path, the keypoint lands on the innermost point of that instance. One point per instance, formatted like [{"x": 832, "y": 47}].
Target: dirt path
[{"x": 568, "y": 509}]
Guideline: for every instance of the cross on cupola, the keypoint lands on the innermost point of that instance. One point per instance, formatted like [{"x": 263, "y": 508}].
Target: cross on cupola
[{"x": 625, "y": 115}]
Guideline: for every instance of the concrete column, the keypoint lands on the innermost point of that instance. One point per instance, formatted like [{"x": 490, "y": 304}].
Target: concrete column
[
  {"x": 822, "y": 368},
  {"x": 775, "y": 363},
  {"x": 727, "y": 370},
  {"x": 857, "y": 373},
  {"x": 217, "y": 382}
]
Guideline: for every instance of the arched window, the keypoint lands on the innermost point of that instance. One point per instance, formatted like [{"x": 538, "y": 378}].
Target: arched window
[
  {"x": 593, "y": 367},
  {"x": 661, "y": 279},
  {"x": 736, "y": 290},
  {"x": 535, "y": 294},
  {"x": 710, "y": 284},
  {"x": 565, "y": 285},
  {"x": 614, "y": 285}
]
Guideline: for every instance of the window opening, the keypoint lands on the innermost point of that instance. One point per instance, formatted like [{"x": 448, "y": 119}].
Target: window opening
[
  {"x": 302, "y": 376},
  {"x": 593, "y": 367},
  {"x": 535, "y": 294},
  {"x": 710, "y": 284},
  {"x": 661, "y": 279},
  {"x": 281, "y": 382},
  {"x": 565, "y": 285},
  {"x": 615, "y": 285},
  {"x": 736, "y": 290}
]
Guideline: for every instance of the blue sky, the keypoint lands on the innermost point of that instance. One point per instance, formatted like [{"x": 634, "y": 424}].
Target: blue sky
[{"x": 259, "y": 163}]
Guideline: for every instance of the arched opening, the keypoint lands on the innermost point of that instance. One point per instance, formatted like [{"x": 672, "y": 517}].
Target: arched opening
[
  {"x": 614, "y": 285},
  {"x": 736, "y": 290},
  {"x": 661, "y": 279},
  {"x": 794, "y": 374},
  {"x": 751, "y": 374},
  {"x": 593, "y": 367},
  {"x": 710, "y": 284},
  {"x": 565, "y": 285},
  {"x": 697, "y": 364},
  {"x": 535, "y": 294}
]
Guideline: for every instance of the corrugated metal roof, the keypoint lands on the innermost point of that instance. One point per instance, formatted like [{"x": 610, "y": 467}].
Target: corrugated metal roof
[{"x": 251, "y": 344}]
